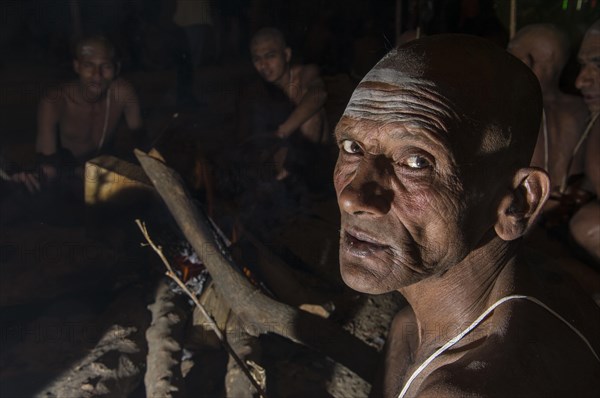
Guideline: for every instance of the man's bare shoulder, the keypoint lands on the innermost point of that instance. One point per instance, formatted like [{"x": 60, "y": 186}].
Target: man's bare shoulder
[
  {"x": 527, "y": 350},
  {"x": 307, "y": 73},
  {"x": 405, "y": 316},
  {"x": 59, "y": 94},
  {"x": 124, "y": 91},
  {"x": 495, "y": 370}
]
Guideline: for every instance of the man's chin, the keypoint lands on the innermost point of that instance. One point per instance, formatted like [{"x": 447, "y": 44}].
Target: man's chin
[
  {"x": 361, "y": 280},
  {"x": 592, "y": 102},
  {"x": 93, "y": 92},
  {"x": 594, "y": 107}
]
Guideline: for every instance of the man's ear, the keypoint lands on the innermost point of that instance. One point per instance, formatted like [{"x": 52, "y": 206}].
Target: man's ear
[
  {"x": 521, "y": 206},
  {"x": 76, "y": 65},
  {"x": 288, "y": 54},
  {"x": 117, "y": 69}
]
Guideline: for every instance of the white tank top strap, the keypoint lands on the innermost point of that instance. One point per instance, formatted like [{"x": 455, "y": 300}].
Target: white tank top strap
[
  {"x": 477, "y": 321},
  {"x": 105, "y": 125}
]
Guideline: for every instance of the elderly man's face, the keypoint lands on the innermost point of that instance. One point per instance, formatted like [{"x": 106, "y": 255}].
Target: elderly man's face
[
  {"x": 588, "y": 80},
  {"x": 401, "y": 197}
]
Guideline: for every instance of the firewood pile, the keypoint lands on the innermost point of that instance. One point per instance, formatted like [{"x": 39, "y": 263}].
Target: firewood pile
[{"x": 293, "y": 331}]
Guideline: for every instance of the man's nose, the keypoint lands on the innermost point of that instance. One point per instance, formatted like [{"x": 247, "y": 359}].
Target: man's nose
[
  {"x": 96, "y": 71},
  {"x": 369, "y": 193},
  {"x": 583, "y": 79}
]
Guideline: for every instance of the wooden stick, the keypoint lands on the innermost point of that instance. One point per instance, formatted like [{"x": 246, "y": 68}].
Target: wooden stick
[
  {"x": 165, "y": 335},
  {"x": 213, "y": 325},
  {"x": 252, "y": 307}
]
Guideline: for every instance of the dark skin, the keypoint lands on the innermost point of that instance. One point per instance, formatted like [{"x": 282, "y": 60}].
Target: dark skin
[
  {"x": 540, "y": 47},
  {"x": 585, "y": 224},
  {"x": 435, "y": 193},
  {"x": 302, "y": 84},
  {"x": 76, "y": 112}
]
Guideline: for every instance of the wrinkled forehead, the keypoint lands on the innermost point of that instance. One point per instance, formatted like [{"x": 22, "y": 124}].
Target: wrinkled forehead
[
  {"x": 400, "y": 91},
  {"x": 387, "y": 95},
  {"x": 483, "y": 99}
]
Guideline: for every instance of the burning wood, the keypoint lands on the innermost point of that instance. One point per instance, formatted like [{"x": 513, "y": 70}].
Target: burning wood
[
  {"x": 254, "y": 308},
  {"x": 163, "y": 321}
]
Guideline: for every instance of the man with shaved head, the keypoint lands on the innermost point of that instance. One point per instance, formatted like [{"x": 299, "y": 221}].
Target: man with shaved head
[
  {"x": 585, "y": 224},
  {"x": 435, "y": 193},
  {"x": 545, "y": 49},
  {"x": 301, "y": 84}
]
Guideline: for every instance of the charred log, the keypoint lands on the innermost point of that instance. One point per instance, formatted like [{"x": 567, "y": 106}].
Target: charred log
[
  {"x": 115, "y": 365},
  {"x": 165, "y": 336},
  {"x": 255, "y": 309}
]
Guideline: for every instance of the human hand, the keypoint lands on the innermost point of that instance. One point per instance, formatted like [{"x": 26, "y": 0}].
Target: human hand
[
  {"x": 30, "y": 180},
  {"x": 34, "y": 181},
  {"x": 283, "y": 131}
]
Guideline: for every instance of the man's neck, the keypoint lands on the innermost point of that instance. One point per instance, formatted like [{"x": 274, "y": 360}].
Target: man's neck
[
  {"x": 446, "y": 304},
  {"x": 285, "y": 79},
  {"x": 89, "y": 98},
  {"x": 551, "y": 92}
]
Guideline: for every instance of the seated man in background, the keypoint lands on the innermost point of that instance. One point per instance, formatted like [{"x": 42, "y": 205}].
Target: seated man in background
[
  {"x": 301, "y": 84},
  {"x": 436, "y": 191},
  {"x": 545, "y": 49},
  {"x": 585, "y": 224},
  {"x": 560, "y": 147},
  {"x": 78, "y": 120}
]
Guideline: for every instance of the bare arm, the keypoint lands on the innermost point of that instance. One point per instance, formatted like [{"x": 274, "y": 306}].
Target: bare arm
[
  {"x": 312, "y": 101},
  {"x": 131, "y": 110},
  {"x": 45, "y": 144},
  {"x": 48, "y": 115},
  {"x": 131, "y": 103}
]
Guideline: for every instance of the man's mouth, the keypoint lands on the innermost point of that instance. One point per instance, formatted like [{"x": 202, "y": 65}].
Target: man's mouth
[
  {"x": 360, "y": 244},
  {"x": 591, "y": 97},
  {"x": 96, "y": 85}
]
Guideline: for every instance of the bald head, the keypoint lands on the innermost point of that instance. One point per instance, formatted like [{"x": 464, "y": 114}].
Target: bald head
[
  {"x": 93, "y": 45},
  {"x": 541, "y": 43},
  {"x": 485, "y": 99},
  {"x": 595, "y": 28},
  {"x": 268, "y": 34}
]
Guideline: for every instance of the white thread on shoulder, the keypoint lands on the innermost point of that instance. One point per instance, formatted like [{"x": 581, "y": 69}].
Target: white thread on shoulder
[{"x": 476, "y": 323}]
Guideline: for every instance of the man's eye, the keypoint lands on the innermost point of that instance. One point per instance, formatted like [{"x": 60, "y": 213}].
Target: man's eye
[
  {"x": 350, "y": 146},
  {"x": 417, "y": 162}
]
